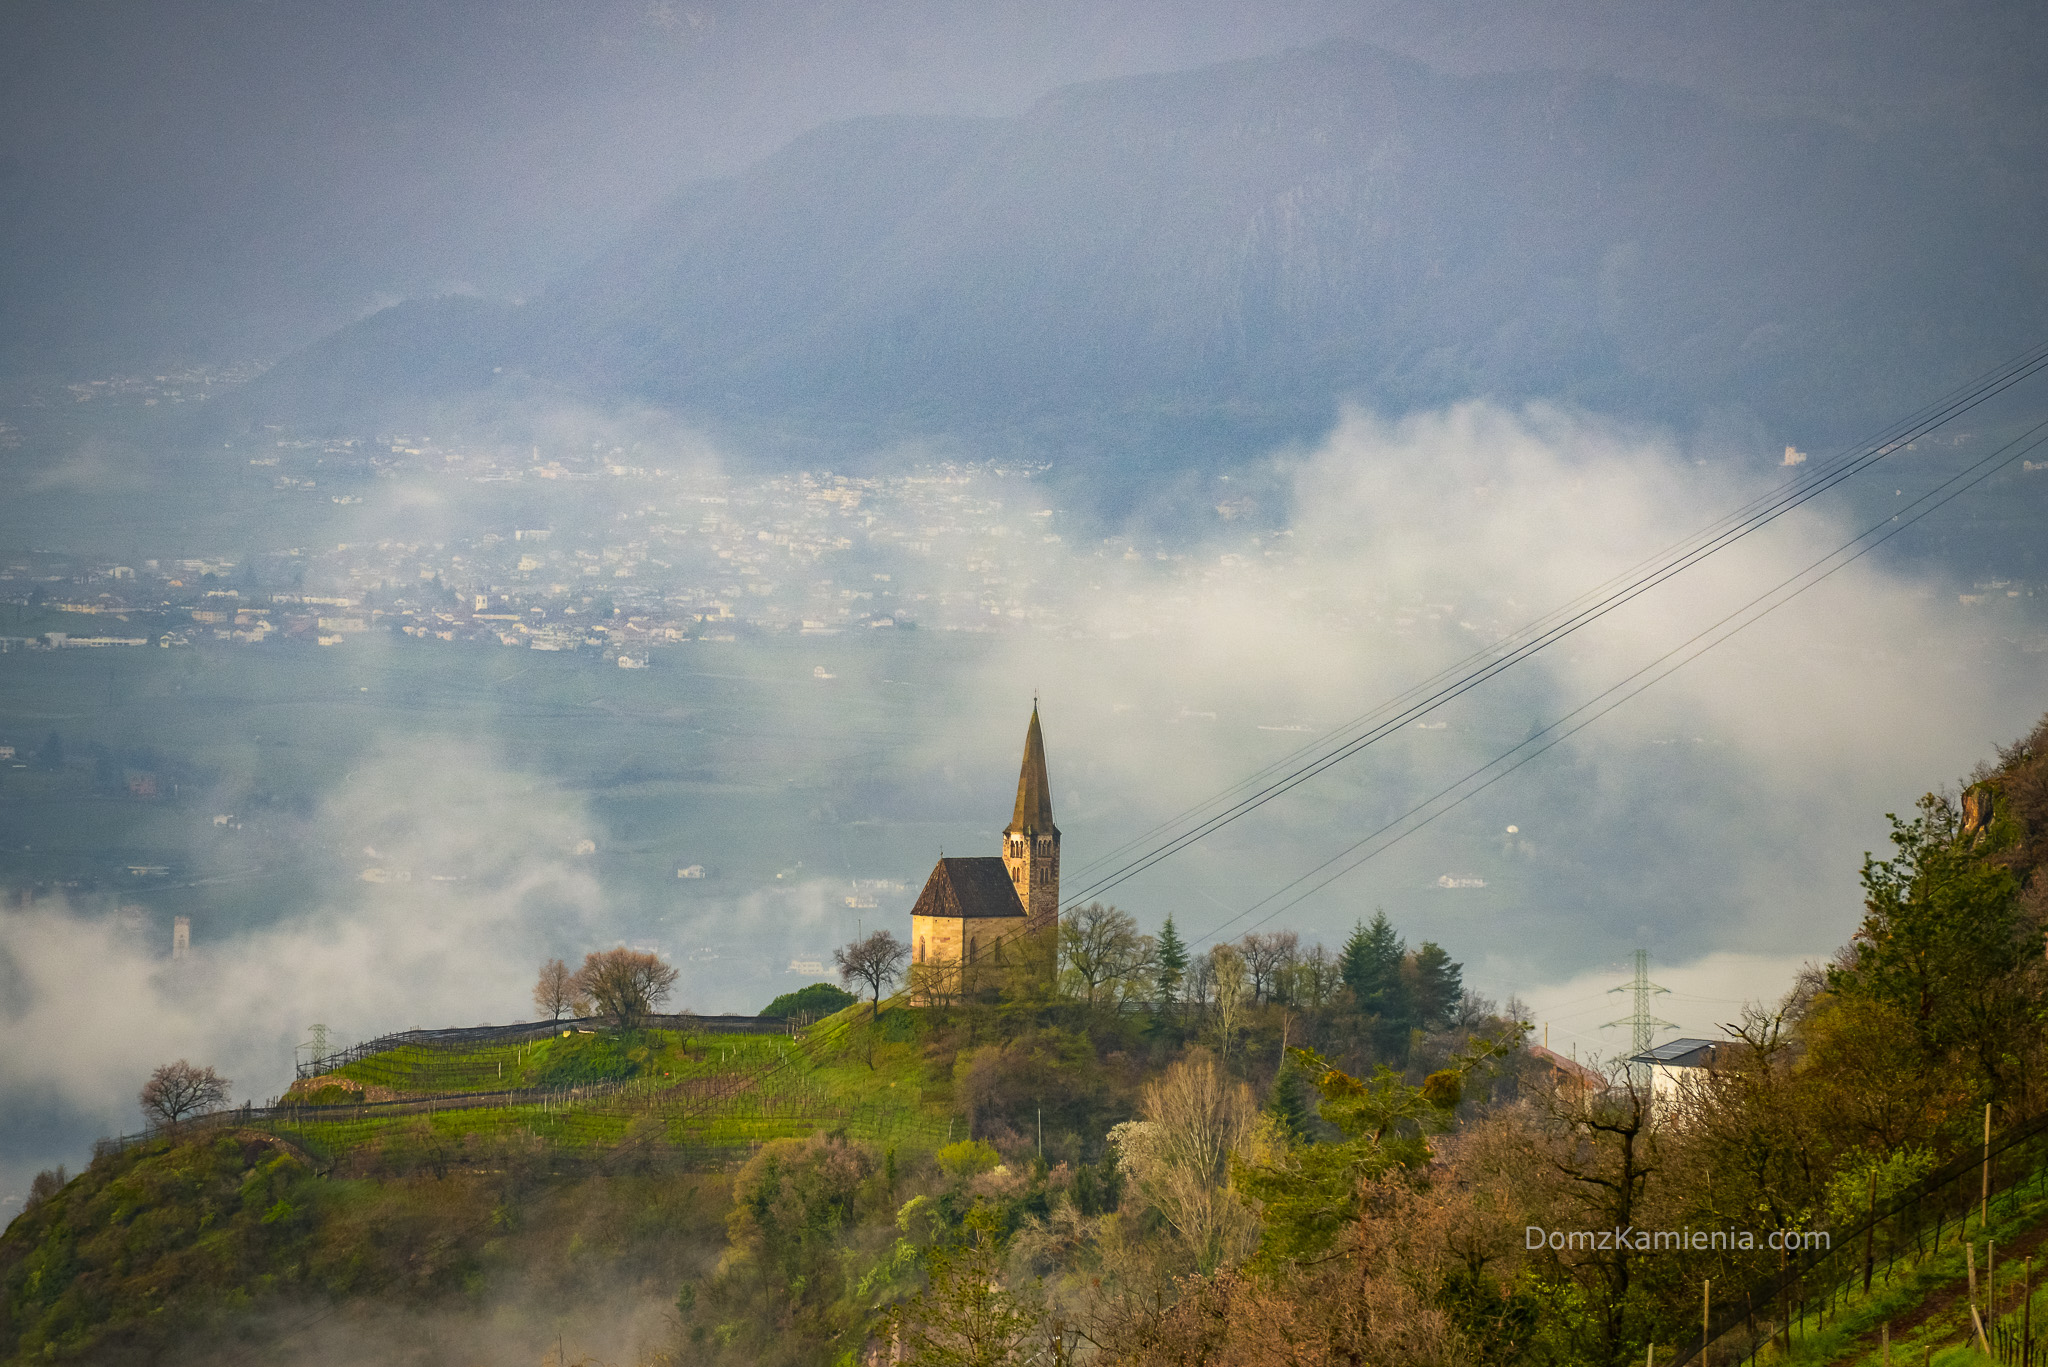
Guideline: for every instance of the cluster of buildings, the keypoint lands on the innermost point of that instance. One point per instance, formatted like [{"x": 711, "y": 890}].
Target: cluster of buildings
[
  {"x": 641, "y": 557},
  {"x": 604, "y": 549}
]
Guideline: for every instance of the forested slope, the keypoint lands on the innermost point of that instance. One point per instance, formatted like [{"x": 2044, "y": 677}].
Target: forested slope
[{"x": 1264, "y": 1154}]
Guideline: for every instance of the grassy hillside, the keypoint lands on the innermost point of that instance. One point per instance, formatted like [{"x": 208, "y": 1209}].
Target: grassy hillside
[
  {"x": 1922, "y": 1302},
  {"x": 585, "y": 1091},
  {"x": 234, "y": 1231},
  {"x": 1037, "y": 1181},
  {"x": 224, "y": 1244}
]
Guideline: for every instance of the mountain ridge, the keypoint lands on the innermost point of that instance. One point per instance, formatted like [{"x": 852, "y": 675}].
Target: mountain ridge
[{"x": 1241, "y": 247}]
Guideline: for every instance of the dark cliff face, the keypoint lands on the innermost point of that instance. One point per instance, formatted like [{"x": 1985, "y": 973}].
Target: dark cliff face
[{"x": 1250, "y": 243}]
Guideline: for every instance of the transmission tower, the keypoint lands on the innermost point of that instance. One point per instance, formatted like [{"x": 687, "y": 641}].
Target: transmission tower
[
  {"x": 1643, "y": 1026},
  {"x": 318, "y": 1044}
]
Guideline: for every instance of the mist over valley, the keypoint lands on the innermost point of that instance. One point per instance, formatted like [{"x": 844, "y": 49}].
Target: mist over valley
[{"x": 393, "y": 606}]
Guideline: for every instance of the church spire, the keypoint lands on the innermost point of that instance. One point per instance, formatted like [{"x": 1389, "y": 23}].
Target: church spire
[{"x": 1034, "y": 790}]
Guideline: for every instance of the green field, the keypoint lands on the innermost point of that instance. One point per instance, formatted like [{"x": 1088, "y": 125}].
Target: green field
[{"x": 648, "y": 1091}]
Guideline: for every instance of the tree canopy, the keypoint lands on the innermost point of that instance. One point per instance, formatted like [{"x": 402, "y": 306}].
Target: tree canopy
[
  {"x": 818, "y": 999},
  {"x": 625, "y": 985}
]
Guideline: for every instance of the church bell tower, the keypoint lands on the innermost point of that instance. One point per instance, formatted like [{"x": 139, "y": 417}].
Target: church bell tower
[{"x": 1031, "y": 843}]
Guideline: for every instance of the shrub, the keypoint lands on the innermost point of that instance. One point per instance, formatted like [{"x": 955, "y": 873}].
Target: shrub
[{"x": 818, "y": 999}]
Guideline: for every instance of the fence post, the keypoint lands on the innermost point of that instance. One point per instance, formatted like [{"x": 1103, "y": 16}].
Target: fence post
[
  {"x": 1706, "y": 1296},
  {"x": 2027, "y": 1315},
  {"x": 1784, "y": 1314},
  {"x": 1985, "y": 1218}
]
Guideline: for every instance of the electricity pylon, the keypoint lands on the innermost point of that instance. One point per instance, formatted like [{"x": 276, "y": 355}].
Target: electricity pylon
[
  {"x": 317, "y": 1045},
  {"x": 1643, "y": 1026}
]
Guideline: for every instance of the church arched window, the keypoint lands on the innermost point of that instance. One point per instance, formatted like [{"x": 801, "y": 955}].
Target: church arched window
[{"x": 920, "y": 949}]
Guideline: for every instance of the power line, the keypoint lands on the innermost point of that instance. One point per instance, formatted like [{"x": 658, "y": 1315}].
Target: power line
[
  {"x": 1560, "y": 621},
  {"x": 1658, "y": 669},
  {"x": 1563, "y": 622}
]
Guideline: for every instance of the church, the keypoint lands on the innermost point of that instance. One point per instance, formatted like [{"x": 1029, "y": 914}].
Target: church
[{"x": 989, "y": 925}]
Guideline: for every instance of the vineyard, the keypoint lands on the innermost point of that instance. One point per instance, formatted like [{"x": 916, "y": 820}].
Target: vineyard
[{"x": 571, "y": 1094}]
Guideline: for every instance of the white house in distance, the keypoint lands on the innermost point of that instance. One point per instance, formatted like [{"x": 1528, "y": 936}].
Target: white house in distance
[{"x": 1669, "y": 1062}]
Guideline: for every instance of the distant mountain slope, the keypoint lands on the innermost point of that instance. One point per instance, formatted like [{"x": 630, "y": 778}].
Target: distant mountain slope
[{"x": 1245, "y": 244}]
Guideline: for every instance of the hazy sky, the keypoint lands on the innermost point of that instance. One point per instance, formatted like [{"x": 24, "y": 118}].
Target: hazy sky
[{"x": 230, "y": 178}]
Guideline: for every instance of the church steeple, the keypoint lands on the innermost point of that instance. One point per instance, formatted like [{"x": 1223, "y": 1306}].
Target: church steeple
[
  {"x": 1034, "y": 790},
  {"x": 1031, "y": 843}
]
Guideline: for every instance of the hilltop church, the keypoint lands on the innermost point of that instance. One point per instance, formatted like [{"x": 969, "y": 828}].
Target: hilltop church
[{"x": 988, "y": 926}]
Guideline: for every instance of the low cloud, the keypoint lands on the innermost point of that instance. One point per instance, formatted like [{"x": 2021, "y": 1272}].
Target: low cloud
[
  {"x": 452, "y": 876},
  {"x": 93, "y": 467},
  {"x": 1725, "y": 808},
  {"x": 1717, "y": 821}
]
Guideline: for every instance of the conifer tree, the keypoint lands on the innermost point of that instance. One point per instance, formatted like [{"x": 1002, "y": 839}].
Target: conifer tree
[
  {"x": 1352, "y": 960},
  {"x": 1289, "y": 1103},
  {"x": 1372, "y": 967},
  {"x": 1439, "y": 984},
  {"x": 1172, "y": 958},
  {"x": 1372, "y": 970}
]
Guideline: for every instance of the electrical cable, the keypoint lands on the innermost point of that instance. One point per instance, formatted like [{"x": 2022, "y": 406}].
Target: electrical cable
[
  {"x": 1562, "y": 622},
  {"x": 1743, "y": 617},
  {"x": 1885, "y": 440},
  {"x": 1725, "y": 531}
]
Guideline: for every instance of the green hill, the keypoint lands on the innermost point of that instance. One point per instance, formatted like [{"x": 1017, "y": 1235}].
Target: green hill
[{"x": 1142, "y": 1179}]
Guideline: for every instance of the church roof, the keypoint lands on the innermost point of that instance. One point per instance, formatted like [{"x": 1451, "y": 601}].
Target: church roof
[
  {"x": 969, "y": 887},
  {"x": 1034, "y": 789}
]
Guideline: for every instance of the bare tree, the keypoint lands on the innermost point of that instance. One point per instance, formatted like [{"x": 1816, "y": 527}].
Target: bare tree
[
  {"x": 1315, "y": 978},
  {"x": 624, "y": 984},
  {"x": 1201, "y": 983},
  {"x": 47, "y": 1183},
  {"x": 1232, "y": 986},
  {"x": 1101, "y": 952},
  {"x": 1140, "y": 971},
  {"x": 874, "y": 963},
  {"x": 1266, "y": 959},
  {"x": 1609, "y": 1153},
  {"x": 1193, "y": 1118},
  {"x": 557, "y": 992},
  {"x": 177, "y": 1090}
]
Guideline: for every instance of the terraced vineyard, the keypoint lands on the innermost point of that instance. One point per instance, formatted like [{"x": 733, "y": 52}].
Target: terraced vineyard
[{"x": 581, "y": 1094}]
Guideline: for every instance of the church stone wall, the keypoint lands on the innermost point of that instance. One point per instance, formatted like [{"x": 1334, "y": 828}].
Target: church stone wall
[{"x": 954, "y": 958}]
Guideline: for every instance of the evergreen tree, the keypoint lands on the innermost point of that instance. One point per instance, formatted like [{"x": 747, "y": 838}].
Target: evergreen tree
[
  {"x": 1371, "y": 967},
  {"x": 1353, "y": 961},
  {"x": 1289, "y": 1104},
  {"x": 1439, "y": 984},
  {"x": 1172, "y": 957}
]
